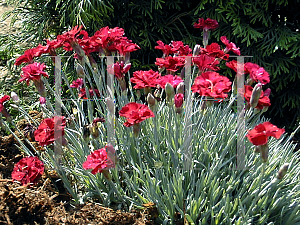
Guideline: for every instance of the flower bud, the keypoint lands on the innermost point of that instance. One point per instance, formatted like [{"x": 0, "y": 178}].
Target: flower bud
[
  {"x": 94, "y": 131},
  {"x": 15, "y": 97},
  {"x": 267, "y": 92},
  {"x": 282, "y": 171},
  {"x": 264, "y": 151},
  {"x": 196, "y": 50},
  {"x": 86, "y": 132},
  {"x": 169, "y": 92},
  {"x": 80, "y": 71},
  {"x": 151, "y": 101},
  {"x": 180, "y": 88},
  {"x": 42, "y": 100},
  {"x": 178, "y": 100},
  {"x": 255, "y": 95}
]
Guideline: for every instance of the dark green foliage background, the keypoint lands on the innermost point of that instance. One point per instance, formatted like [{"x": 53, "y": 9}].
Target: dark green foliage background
[{"x": 266, "y": 30}]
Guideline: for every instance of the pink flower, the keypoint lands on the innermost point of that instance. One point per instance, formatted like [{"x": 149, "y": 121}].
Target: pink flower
[
  {"x": 230, "y": 46},
  {"x": 135, "y": 113},
  {"x": 42, "y": 100},
  {"x": 45, "y": 134},
  {"x": 212, "y": 84},
  {"x": 99, "y": 160},
  {"x": 28, "y": 170},
  {"x": 2, "y": 100},
  {"x": 173, "y": 80},
  {"x": 33, "y": 72},
  {"x": 144, "y": 79},
  {"x": 178, "y": 100},
  {"x": 208, "y": 24},
  {"x": 77, "y": 83},
  {"x": 170, "y": 63},
  {"x": 259, "y": 134}
]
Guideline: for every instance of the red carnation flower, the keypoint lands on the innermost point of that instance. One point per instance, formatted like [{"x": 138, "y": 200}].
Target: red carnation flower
[
  {"x": 176, "y": 47},
  {"x": 212, "y": 84},
  {"x": 28, "y": 170},
  {"x": 135, "y": 113},
  {"x": 125, "y": 45},
  {"x": 166, "y": 49},
  {"x": 173, "y": 80},
  {"x": 170, "y": 63},
  {"x": 29, "y": 54},
  {"x": 208, "y": 24},
  {"x": 205, "y": 62},
  {"x": 263, "y": 101},
  {"x": 82, "y": 93},
  {"x": 260, "y": 133},
  {"x": 77, "y": 83},
  {"x": 234, "y": 64},
  {"x": 214, "y": 50},
  {"x": 260, "y": 75},
  {"x": 256, "y": 72},
  {"x": 107, "y": 37},
  {"x": 144, "y": 79},
  {"x": 230, "y": 46},
  {"x": 180, "y": 49},
  {"x": 71, "y": 35},
  {"x": 99, "y": 160},
  {"x": 33, "y": 72},
  {"x": 50, "y": 130},
  {"x": 2, "y": 100}
]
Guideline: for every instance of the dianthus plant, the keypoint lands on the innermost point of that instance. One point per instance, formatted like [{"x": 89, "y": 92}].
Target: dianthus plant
[{"x": 182, "y": 135}]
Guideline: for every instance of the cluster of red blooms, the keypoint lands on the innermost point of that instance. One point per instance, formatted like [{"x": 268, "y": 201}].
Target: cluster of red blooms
[
  {"x": 104, "y": 41},
  {"x": 107, "y": 41}
]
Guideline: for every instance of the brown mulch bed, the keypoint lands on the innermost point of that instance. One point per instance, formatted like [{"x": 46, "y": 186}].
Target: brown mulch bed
[{"x": 43, "y": 204}]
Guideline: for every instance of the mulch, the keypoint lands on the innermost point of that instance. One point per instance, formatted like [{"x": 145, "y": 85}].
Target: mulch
[{"x": 44, "y": 204}]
